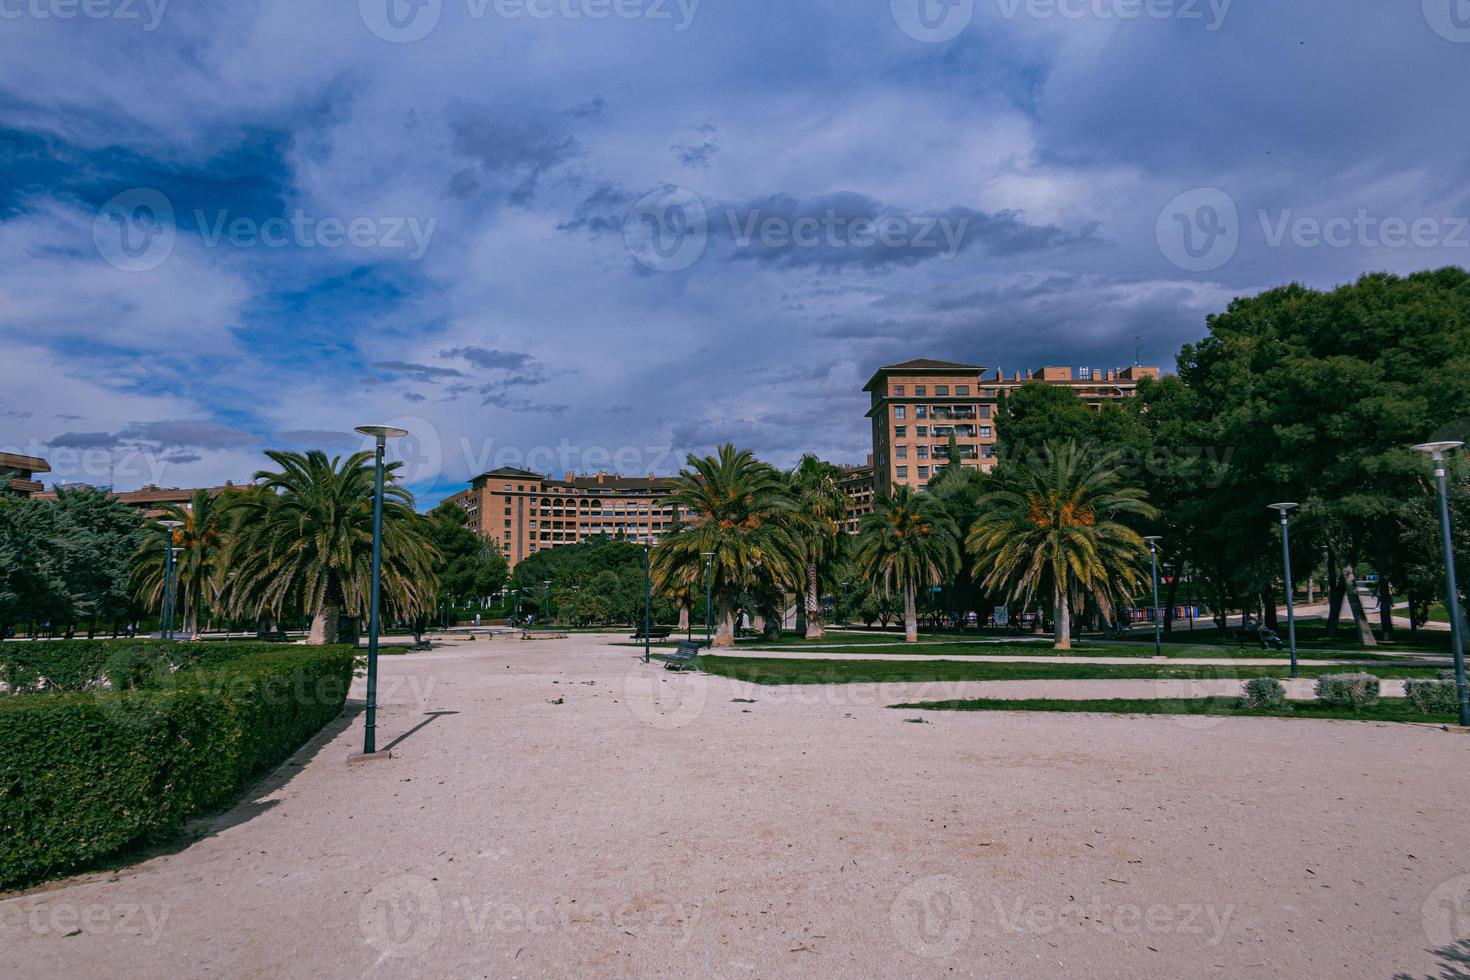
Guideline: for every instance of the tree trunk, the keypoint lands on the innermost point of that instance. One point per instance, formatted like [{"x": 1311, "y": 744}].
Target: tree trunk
[
  {"x": 813, "y": 599},
  {"x": 910, "y": 615},
  {"x": 724, "y": 624},
  {"x": 684, "y": 617},
  {"x": 1334, "y": 600},
  {"x": 1385, "y": 607},
  {"x": 801, "y": 621},
  {"x": 1063, "y": 637},
  {"x": 1355, "y": 603},
  {"x": 324, "y": 626},
  {"x": 1172, "y": 597},
  {"x": 1268, "y": 610}
]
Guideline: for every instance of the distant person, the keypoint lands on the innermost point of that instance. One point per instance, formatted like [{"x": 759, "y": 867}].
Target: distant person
[{"x": 477, "y": 619}]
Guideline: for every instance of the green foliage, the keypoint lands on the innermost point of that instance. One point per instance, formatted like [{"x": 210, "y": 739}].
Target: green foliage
[
  {"x": 305, "y": 536},
  {"x": 66, "y": 563},
  {"x": 84, "y": 665},
  {"x": 199, "y": 571},
  {"x": 907, "y": 543},
  {"x": 606, "y": 574},
  {"x": 1055, "y": 522},
  {"x": 1357, "y": 690},
  {"x": 469, "y": 566},
  {"x": 84, "y": 775},
  {"x": 1436, "y": 697},
  {"x": 1264, "y": 694}
]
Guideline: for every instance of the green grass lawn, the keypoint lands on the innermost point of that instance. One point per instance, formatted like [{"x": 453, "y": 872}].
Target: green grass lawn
[
  {"x": 768, "y": 671},
  {"x": 1388, "y": 709},
  {"x": 1313, "y": 633}
]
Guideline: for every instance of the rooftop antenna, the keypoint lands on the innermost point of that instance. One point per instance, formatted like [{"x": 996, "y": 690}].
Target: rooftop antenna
[{"x": 1137, "y": 351}]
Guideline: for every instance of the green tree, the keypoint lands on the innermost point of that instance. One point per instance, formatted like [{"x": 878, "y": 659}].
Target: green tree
[
  {"x": 199, "y": 573},
  {"x": 740, "y": 510},
  {"x": 820, "y": 507},
  {"x": 908, "y": 542},
  {"x": 470, "y": 566},
  {"x": 1055, "y": 522},
  {"x": 306, "y": 536}
]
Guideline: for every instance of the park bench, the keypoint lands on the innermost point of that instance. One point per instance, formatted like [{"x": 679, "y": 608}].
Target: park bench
[
  {"x": 654, "y": 633},
  {"x": 1264, "y": 635},
  {"x": 683, "y": 656},
  {"x": 421, "y": 644},
  {"x": 276, "y": 636}
]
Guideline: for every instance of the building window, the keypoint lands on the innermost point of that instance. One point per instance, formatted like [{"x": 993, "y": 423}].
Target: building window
[
  {"x": 898, "y": 411},
  {"x": 507, "y": 487},
  {"x": 962, "y": 390},
  {"x": 985, "y": 411},
  {"x": 902, "y": 452},
  {"x": 898, "y": 389},
  {"x": 921, "y": 411},
  {"x": 507, "y": 523},
  {"x": 921, "y": 430},
  {"x": 984, "y": 432},
  {"x": 941, "y": 389},
  {"x": 900, "y": 431},
  {"x": 902, "y": 472},
  {"x": 923, "y": 452},
  {"x": 921, "y": 389},
  {"x": 923, "y": 472},
  {"x": 987, "y": 451},
  {"x": 1084, "y": 374}
]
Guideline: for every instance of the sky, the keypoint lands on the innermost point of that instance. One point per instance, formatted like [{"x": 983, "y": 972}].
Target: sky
[{"x": 577, "y": 235}]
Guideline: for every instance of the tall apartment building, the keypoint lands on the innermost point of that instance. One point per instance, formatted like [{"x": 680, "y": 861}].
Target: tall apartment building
[
  {"x": 857, "y": 483},
  {"x": 918, "y": 405},
  {"x": 22, "y": 470},
  {"x": 526, "y": 512}
]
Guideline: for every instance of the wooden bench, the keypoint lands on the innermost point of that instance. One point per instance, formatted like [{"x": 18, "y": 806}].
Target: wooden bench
[
  {"x": 654, "y": 633},
  {"x": 682, "y": 658}
]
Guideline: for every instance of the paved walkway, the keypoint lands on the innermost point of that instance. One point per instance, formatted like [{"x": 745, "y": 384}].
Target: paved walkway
[
  {"x": 786, "y": 653},
  {"x": 560, "y": 809}
]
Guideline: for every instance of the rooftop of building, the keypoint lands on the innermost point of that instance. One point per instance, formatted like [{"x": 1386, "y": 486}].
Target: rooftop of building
[
  {"x": 924, "y": 365},
  {"x": 146, "y": 495},
  {"x": 28, "y": 464},
  {"x": 600, "y": 481}
]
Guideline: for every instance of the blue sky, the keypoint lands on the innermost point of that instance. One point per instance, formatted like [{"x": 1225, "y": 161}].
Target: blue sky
[{"x": 585, "y": 234}]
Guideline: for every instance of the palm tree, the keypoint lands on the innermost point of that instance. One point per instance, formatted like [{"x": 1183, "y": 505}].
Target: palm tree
[
  {"x": 1053, "y": 522},
  {"x": 909, "y": 540},
  {"x": 198, "y": 569},
  {"x": 820, "y": 508},
  {"x": 737, "y": 508},
  {"x": 306, "y": 537}
]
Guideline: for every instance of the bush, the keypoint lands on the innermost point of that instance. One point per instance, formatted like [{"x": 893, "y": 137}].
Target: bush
[
  {"x": 86, "y": 774},
  {"x": 1437, "y": 697},
  {"x": 1264, "y": 694},
  {"x": 29, "y": 666},
  {"x": 1348, "y": 690}
]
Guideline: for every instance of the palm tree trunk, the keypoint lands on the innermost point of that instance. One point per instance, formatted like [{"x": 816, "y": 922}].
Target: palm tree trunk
[
  {"x": 813, "y": 597},
  {"x": 1355, "y": 603},
  {"x": 724, "y": 624},
  {"x": 1063, "y": 640},
  {"x": 683, "y": 617},
  {"x": 324, "y": 626},
  {"x": 910, "y": 614}
]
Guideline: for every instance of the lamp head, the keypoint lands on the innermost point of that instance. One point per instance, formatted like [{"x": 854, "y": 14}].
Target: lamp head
[
  {"x": 1438, "y": 449},
  {"x": 170, "y": 525},
  {"x": 382, "y": 432},
  {"x": 1283, "y": 507},
  {"x": 1153, "y": 538}
]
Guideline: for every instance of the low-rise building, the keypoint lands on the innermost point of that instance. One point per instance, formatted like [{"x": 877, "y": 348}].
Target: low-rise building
[{"x": 22, "y": 471}]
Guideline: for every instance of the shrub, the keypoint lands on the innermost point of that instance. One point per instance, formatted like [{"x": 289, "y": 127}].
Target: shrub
[
  {"x": 86, "y": 774},
  {"x": 1436, "y": 697},
  {"x": 1264, "y": 694},
  {"x": 1348, "y": 690},
  {"x": 28, "y": 666}
]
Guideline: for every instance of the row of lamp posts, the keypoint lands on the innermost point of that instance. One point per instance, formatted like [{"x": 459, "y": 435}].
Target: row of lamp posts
[{"x": 1436, "y": 451}]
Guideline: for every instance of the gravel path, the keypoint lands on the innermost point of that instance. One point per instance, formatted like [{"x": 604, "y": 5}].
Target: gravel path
[{"x": 558, "y": 808}]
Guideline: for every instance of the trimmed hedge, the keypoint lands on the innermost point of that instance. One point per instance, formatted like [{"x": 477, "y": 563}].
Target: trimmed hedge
[
  {"x": 1348, "y": 690},
  {"x": 1436, "y": 697},
  {"x": 29, "y": 666},
  {"x": 1264, "y": 694},
  {"x": 84, "y": 775}
]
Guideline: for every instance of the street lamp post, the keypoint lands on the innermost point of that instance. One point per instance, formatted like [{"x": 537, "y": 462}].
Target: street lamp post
[
  {"x": 1153, "y": 551},
  {"x": 709, "y": 585},
  {"x": 1457, "y": 642},
  {"x": 1284, "y": 509},
  {"x": 576, "y": 606},
  {"x": 166, "y": 618},
  {"x": 546, "y": 610},
  {"x": 647, "y": 598},
  {"x": 381, "y": 434}
]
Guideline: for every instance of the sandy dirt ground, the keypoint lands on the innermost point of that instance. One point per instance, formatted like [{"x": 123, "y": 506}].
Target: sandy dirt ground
[{"x": 557, "y": 808}]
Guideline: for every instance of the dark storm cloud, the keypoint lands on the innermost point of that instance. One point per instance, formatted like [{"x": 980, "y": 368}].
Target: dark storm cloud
[
  {"x": 84, "y": 440},
  {"x": 489, "y": 358},
  {"x": 508, "y": 149},
  {"x": 170, "y": 433}
]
